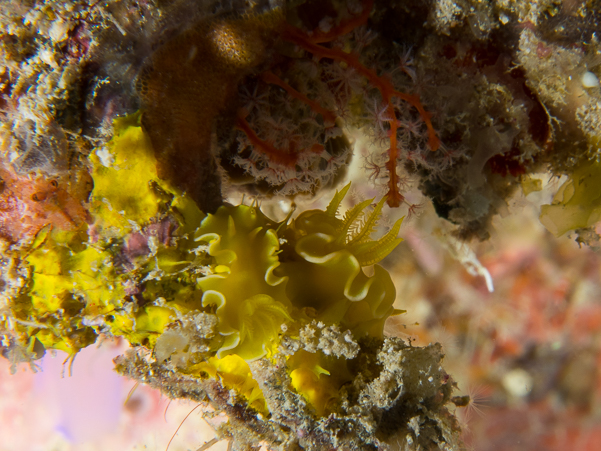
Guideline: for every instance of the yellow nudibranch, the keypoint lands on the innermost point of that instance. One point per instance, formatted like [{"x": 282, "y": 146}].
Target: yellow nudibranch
[
  {"x": 577, "y": 203},
  {"x": 209, "y": 294}
]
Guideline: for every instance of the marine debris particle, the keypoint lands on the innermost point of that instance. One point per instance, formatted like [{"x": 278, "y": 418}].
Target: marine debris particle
[{"x": 189, "y": 81}]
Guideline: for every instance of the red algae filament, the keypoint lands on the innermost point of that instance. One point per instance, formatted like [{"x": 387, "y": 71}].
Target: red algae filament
[{"x": 395, "y": 198}]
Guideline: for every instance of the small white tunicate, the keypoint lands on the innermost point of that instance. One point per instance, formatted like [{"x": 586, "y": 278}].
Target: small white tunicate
[
  {"x": 590, "y": 80},
  {"x": 105, "y": 157},
  {"x": 326, "y": 24}
]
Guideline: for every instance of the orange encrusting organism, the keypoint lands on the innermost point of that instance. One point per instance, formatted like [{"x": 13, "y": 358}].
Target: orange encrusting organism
[{"x": 28, "y": 203}]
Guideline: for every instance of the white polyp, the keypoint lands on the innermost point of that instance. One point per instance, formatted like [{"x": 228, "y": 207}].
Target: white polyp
[{"x": 590, "y": 80}]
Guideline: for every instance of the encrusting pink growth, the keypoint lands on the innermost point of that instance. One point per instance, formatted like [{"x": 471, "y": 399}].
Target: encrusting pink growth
[{"x": 28, "y": 203}]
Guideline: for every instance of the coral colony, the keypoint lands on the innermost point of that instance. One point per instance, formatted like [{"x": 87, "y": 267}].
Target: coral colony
[{"x": 129, "y": 127}]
